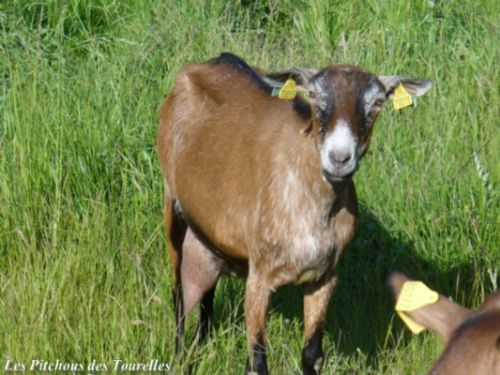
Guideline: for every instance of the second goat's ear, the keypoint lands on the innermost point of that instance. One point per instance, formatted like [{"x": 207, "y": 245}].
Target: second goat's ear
[
  {"x": 415, "y": 86},
  {"x": 443, "y": 316}
]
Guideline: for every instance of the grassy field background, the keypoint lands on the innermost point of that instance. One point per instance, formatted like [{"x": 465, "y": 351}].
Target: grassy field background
[{"x": 84, "y": 273}]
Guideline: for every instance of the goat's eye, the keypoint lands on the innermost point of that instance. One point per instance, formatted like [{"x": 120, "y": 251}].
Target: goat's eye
[
  {"x": 378, "y": 103},
  {"x": 375, "y": 108}
]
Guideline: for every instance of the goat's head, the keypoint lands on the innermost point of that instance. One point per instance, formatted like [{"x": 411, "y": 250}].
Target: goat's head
[{"x": 345, "y": 101}]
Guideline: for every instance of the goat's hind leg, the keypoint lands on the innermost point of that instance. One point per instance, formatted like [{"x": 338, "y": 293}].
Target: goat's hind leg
[
  {"x": 176, "y": 228},
  {"x": 206, "y": 315},
  {"x": 200, "y": 270}
]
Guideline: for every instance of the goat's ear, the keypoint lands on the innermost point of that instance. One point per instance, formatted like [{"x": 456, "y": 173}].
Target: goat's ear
[
  {"x": 299, "y": 75},
  {"x": 302, "y": 77},
  {"x": 443, "y": 316},
  {"x": 415, "y": 86}
]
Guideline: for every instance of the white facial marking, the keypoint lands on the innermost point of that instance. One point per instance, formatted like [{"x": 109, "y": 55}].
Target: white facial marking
[{"x": 342, "y": 144}]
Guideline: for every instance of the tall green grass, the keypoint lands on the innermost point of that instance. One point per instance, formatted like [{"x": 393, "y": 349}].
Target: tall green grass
[{"x": 84, "y": 272}]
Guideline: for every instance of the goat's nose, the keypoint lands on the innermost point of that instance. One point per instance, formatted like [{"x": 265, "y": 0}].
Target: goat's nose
[{"x": 339, "y": 157}]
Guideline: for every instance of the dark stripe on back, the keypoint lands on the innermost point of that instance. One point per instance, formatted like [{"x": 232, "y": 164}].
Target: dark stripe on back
[
  {"x": 302, "y": 108},
  {"x": 241, "y": 65}
]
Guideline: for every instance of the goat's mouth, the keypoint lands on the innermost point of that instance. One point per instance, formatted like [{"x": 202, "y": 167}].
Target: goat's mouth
[{"x": 335, "y": 179}]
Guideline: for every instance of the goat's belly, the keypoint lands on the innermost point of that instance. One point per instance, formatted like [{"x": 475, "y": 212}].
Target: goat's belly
[{"x": 222, "y": 238}]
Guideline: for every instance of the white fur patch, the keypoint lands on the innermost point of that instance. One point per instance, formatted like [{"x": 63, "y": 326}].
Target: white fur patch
[
  {"x": 298, "y": 225},
  {"x": 371, "y": 96},
  {"x": 342, "y": 144}
]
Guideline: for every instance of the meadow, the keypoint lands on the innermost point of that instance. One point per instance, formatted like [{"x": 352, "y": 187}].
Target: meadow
[{"x": 84, "y": 271}]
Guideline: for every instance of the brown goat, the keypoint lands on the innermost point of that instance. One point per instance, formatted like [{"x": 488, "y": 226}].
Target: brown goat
[
  {"x": 261, "y": 187},
  {"x": 472, "y": 337}
]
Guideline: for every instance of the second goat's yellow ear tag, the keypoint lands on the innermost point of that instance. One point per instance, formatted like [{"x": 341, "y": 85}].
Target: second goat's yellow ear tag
[
  {"x": 402, "y": 98},
  {"x": 414, "y": 295},
  {"x": 410, "y": 323},
  {"x": 289, "y": 90}
]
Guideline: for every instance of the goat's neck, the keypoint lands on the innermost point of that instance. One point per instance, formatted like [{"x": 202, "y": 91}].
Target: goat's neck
[{"x": 302, "y": 170}]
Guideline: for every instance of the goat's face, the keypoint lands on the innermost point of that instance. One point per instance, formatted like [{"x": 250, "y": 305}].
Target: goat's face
[{"x": 346, "y": 101}]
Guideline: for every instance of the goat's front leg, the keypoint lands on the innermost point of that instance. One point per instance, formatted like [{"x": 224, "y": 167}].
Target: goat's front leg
[
  {"x": 316, "y": 299},
  {"x": 257, "y": 295}
]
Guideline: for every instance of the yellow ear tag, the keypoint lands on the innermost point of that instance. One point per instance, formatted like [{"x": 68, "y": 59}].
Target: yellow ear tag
[
  {"x": 402, "y": 98},
  {"x": 414, "y": 295},
  {"x": 414, "y": 327},
  {"x": 289, "y": 90}
]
